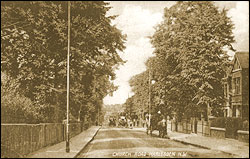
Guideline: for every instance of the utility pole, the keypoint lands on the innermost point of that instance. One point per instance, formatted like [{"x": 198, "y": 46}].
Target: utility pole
[{"x": 67, "y": 127}]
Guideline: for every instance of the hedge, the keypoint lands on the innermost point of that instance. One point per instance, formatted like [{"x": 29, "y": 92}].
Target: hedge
[
  {"x": 219, "y": 122},
  {"x": 232, "y": 125},
  {"x": 245, "y": 125}
]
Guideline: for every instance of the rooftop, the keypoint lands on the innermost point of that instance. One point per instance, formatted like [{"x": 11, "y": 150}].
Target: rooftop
[{"x": 243, "y": 58}]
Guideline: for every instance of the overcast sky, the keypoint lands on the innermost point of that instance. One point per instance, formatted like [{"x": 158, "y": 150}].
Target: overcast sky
[{"x": 138, "y": 18}]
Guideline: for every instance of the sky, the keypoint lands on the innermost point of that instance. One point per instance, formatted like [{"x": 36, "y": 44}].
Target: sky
[{"x": 137, "y": 19}]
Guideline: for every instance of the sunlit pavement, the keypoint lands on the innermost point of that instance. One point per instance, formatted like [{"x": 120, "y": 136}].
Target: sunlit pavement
[{"x": 131, "y": 143}]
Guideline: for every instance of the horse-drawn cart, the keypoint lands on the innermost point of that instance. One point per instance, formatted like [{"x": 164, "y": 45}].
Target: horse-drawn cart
[{"x": 156, "y": 122}]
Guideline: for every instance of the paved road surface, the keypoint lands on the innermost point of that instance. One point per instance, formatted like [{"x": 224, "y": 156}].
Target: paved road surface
[{"x": 129, "y": 143}]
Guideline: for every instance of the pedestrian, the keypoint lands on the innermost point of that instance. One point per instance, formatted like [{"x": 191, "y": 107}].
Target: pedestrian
[{"x": 130, "y": 123}]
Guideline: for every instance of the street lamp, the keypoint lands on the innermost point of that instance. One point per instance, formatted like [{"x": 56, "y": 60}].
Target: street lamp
[
  {"x": 153, "y": 82},
  {"x": 150, "y": 81}
]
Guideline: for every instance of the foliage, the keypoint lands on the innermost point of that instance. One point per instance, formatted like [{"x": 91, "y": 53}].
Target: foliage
[
  {"x": 190, "y": 47},
  {"x": 16, "y": 108},
  {"x": 218, "y": 122},
  {"x": 245, "y": 125},
  {"x": 129, "y": 106},
  {"x": 232, "y": 125},
  {"x": 34, "y": 48},
  {"x": 190, "y": 61},
  {"x": 140, "y": 100}
]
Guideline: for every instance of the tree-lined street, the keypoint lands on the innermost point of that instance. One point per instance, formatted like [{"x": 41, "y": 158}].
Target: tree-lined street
[{"x": 100, "y": 74}]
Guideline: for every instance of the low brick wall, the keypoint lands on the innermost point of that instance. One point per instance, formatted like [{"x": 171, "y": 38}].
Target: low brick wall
[
  {"x": 243, "y": 136},
  {"x": 217, "y": 132},
  {"x": 18, "y": 140}
]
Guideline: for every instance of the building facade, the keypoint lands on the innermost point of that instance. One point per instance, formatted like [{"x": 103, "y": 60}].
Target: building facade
[{"x": 236, "y": 87}]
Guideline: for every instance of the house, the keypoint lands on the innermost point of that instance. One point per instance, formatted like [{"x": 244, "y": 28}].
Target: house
[{"x": 236, "y": 87}]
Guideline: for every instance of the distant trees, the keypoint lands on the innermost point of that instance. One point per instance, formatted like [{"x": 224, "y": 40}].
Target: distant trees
[
  {"x": 129, "y": 106},
  {"x": 139, "y": 101},
  {"x": 190, "y": 47},
  {"x": 34, "y": 48}
]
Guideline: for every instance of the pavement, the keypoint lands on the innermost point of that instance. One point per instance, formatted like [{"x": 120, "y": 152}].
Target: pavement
[
  {"x": 77, "y": 143},
  {"x": 229, "y": 146}
]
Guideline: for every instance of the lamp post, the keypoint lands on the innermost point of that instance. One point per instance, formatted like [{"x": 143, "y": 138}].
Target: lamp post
[
  {"x": 67, "y": 127},
  {"x": 149, "y": 94},
  {"x": 150, "y": 81}
]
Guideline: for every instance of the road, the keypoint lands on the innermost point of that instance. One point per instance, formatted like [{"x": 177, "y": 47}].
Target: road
[{"x": 131, "y": 143}]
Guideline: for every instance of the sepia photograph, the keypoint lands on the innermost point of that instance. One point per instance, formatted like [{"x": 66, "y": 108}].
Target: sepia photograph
[{"x": 124, "y": 79}]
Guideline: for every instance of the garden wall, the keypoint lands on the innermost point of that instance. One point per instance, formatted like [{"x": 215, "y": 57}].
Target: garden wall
[
  {"x": 218, "y": 132},
  {"x": 243, "y": 136}
]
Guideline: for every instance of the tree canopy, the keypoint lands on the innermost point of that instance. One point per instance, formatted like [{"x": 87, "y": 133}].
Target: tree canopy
[
  {"x": 34, "y": 51},
  {"x": 191, "y": 46}
]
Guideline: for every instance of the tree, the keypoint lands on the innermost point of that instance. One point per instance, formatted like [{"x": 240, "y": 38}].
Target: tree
[
  {"x": 139, "y": 84},
  {"x": 190, "y": 44},
  {"x": 140, "y": 87},
  {"x": 129, "y": 106},
  {"x": 34, "y": 46}
]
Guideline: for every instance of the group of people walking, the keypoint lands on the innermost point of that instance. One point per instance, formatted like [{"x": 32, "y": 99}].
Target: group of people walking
[
  {"x": 127, "y": 122},
  {"x": 153, "y": 122}
]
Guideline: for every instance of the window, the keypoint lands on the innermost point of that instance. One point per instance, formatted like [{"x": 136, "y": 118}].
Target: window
[{"x": 237, "y": 85}]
